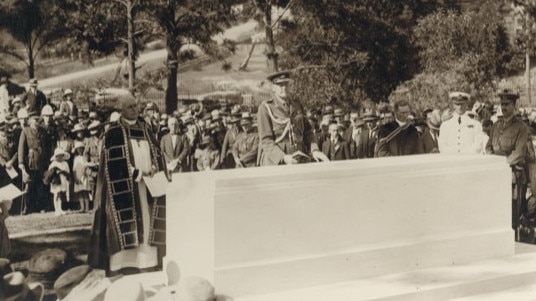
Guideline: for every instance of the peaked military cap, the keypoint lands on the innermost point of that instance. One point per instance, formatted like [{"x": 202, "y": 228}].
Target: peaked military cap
[
  {"x": 459, "y": 97},
  {"x": 508, "y": 95},
  {"x": 279, "y": 77}
]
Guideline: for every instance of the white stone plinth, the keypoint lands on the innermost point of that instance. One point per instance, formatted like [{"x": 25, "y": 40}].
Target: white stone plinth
[{"x": 264, "y": 230}]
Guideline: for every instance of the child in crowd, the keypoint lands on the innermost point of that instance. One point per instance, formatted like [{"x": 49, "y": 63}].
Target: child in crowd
[
  {"x": 59, "y": 185},
  {"x": 81, "y": 173}
]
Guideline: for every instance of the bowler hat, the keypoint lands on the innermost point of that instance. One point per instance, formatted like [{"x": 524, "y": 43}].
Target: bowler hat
[{"x": 369, "y": 116}]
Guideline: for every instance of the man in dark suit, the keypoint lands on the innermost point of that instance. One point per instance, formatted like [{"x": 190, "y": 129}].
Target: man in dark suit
[
  {"x": 335, "y": 148},
  {"x": 353, "y": 133},
  {"x": 175, "y": 147},
  {"x": 399, "y": 137},
  {"x": 368, "y": 137},
  {"x": 34, "y": 99}
]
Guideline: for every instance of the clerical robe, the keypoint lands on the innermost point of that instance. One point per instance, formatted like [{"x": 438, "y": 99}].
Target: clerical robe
[{"x": 129, "y": 223}]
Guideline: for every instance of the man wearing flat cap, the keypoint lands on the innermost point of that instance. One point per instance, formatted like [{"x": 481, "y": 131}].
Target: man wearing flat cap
[
  {"x": 283, "y": 129},
  {"x": 509, "y": 137},
  {"x": 460, "y": 134}
]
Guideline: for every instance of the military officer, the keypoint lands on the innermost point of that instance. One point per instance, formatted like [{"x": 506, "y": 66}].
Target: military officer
[
  {"x": 508, "y": 137},
  {"x": 246, "y": 145},
  {"x": 283, "y": 129},
  {"x": 461, "y": 133}
]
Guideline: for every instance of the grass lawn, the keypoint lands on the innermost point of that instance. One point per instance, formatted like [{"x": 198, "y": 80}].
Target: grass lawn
[{"x": 213, "y": 77}]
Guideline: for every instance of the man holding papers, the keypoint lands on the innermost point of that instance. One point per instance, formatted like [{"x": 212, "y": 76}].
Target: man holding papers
[{"x": 129, "y": 226}]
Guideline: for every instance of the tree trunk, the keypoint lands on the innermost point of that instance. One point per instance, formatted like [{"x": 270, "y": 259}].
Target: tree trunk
[
  {"x": 270, "y": 43},
  {"x": 31, "y": 62},
  {"x": 130, "y": 43},
  {"x": 527, "y": 74},
  {"x": 244, "y": 64},
  {"x": 173, "y": 67}
]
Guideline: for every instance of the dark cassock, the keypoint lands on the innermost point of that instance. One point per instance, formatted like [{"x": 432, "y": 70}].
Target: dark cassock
[{"x": 129, "y": 228}]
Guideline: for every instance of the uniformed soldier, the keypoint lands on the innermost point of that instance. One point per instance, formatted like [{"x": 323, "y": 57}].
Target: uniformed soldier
[
  {"x": 283, "y": 129},
  {"x": 461, "y": 133},
  {"x": 246, "y": 145},
  {"x": 508, "y": 137}
]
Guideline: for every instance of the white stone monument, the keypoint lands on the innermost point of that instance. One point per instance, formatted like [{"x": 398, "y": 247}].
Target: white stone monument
[{"x": 271, "y": 229}]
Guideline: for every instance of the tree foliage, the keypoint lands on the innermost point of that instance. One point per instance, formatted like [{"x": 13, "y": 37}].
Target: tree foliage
[
  {"x": 96, "y": 27},
  {"x": 351, "y": 50},
  {"x": 181, "y": 21},
  {"x": 466, "y": 51},
  {"x": 34, "y": 25}
]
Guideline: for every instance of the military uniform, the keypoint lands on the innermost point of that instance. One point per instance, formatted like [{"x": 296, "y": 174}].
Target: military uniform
[
  {"x": 246, "y": 147},
  {"x": 460, "y": 134},
  {"x": 283, "y": 130},
  {"x": 509, "y": 138}
]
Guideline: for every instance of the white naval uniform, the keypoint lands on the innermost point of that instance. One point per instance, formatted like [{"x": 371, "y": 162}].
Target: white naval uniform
[{"x": 460, "y": 138}]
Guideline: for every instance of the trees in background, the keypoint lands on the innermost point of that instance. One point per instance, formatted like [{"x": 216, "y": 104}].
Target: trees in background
[
  {"x": 352, "y": 50},
  {"x": 33, "y": 25},
  {"x": 466, "y": 51},
  {"x": 179, "y": 22}
]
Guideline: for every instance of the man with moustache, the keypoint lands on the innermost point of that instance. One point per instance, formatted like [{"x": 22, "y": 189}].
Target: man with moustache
[{"x": 285, "y": 135}]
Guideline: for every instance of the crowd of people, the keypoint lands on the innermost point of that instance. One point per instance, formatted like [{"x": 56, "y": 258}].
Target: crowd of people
[
  {"x": 55, "y": 147},
  {"x": 65, "y": 158}
]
